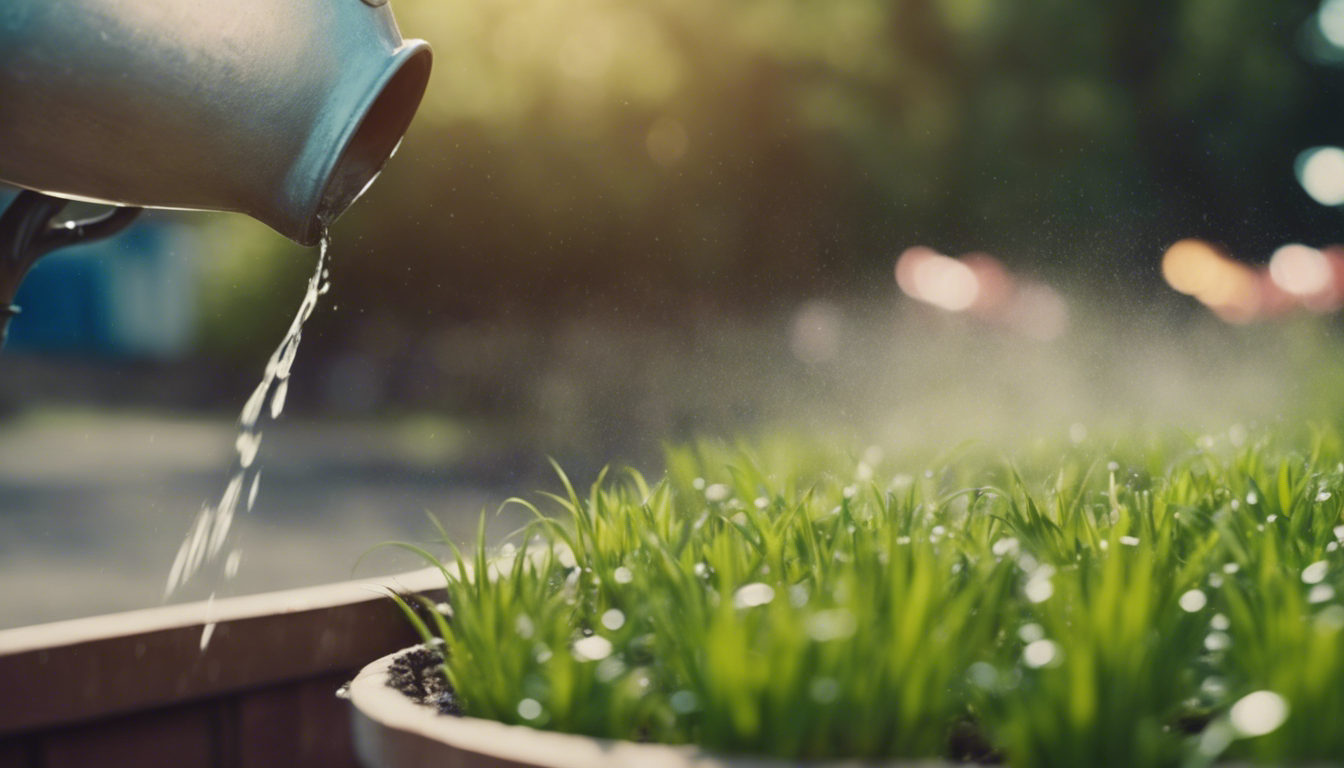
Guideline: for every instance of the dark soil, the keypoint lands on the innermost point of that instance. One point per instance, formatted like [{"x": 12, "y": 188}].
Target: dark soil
[{"x": 418, "y": 673}]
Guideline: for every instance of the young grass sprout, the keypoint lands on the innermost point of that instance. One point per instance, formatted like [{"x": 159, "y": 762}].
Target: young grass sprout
[{"x": 1152, "y": 603}]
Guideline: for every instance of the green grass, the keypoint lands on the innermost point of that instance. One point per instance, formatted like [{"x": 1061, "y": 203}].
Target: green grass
[{"x": 1102, "y": 605}]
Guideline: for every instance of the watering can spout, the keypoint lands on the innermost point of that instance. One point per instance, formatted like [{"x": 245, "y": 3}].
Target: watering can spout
[{"x": 284, "y": 110}]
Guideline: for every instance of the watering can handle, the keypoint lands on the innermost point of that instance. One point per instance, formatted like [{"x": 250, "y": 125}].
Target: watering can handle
[{"x": 27, "y": 234}]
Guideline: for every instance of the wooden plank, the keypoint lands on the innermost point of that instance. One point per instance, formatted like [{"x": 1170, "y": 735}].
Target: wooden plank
[
  {"x": 303, "y": 725},
  {"x": 181, "y": 737},
  {"x": 87, "y": 669}
]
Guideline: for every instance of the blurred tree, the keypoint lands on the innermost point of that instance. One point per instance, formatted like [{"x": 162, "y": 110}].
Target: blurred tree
[{"x": 672, "y": 153}]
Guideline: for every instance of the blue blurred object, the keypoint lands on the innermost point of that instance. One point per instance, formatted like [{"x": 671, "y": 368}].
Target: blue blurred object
[{"x": 130, "y": 296}]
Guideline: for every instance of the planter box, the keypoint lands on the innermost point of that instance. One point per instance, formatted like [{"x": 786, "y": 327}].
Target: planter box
[
  {"x": 392, "y": 731},
  {"x": 134, "y": 689}
]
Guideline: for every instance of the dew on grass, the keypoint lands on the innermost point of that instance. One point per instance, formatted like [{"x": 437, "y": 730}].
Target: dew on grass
[
  {"x": 529, "y": 709},
  {"x": 1214, "y": 687},
  {"x": 592, "y": 648},
  {"x": 982, "y": 674},
  {"x": 698, "y": 483},
  {"x": 622, "y": 575},
  {"x": 1041, "y": 653},
  {"x": 1331, "y": 618},
  {"x": 1252, "y": 498},
  {"x": 1193, "y": 601},
  {"x": 824, "y": 690},
  {"x": 701, "y": 570},
  {"x": 1220, "y": 622},
  {"x": 609, "y": 669},
  {"x": 1031, "y": 632},
  {"x": 1259, "y": 713},
  {"x": 1218, "y": 641},
  {"x": 613, "y": 619},
  {"x": 1040, "y": 587},
  {"x": 1339, "y": 532},
  {"x": 1215, "y": 580},
  {"x": 1321, "y": 593},
  {"x": 833, "y": 624},
  {"x": 902, "y": 539},
  {"x": 761, "y": 502},
  {"x": 524, "y": 627},
  {"x": 718, "y": 492},
  {"x": 1130, "y": 541},
  {"x": 1323, "y": 496},
  {"x": 753, "y": 595},
  {"x": 543, "y": 654},
  {"x": 1008, "y": 546},
  {"x": 684, "y": 702},
  {"x": 798, "y": 595},
  {"x": 1271, "y": 518},
  {"x": 1231, "y": 568},
  {"x": 1314, "y": 573}
]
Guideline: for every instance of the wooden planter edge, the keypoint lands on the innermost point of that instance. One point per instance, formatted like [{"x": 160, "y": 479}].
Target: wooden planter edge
[{"x": 86, "y": 669}]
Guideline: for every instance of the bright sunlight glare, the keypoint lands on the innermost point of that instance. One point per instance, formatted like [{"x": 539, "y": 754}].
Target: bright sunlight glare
[{"x": 1320, "y": 170}]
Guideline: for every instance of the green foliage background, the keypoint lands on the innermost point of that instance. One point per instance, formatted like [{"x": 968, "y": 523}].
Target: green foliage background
[{"x": 665, "y": 153}]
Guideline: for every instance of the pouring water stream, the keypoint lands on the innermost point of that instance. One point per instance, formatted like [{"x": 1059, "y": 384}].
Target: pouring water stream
[{"x": 207, "y": 537}]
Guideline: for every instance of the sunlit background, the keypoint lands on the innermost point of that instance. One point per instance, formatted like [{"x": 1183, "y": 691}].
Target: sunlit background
[{"x": 617, "y": 223}]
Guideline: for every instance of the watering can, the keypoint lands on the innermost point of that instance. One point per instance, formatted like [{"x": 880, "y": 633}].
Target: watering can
[{"x": 284, "y": 110}]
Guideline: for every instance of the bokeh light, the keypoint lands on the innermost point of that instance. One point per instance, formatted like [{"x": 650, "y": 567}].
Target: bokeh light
[
  {"x": 1301, "y": 270},
  {"x": 928, "y": 276},
  {"x": 1229, "y": 288},
  {"x": 1320, "y": 170},
  {"x": 1330, "y": 19}
]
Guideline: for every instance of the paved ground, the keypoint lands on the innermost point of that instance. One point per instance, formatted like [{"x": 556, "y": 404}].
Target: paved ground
[{"x": 94, "y": 505}]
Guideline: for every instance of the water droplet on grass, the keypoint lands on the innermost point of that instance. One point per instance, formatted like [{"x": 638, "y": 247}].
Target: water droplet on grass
[
  {"x": 1031, "y": 632},
  {"x": 753, "y": 595},
  {"x": 1193, "y": 601},
  {"x": 1130, "y": 541},
  {"x": 622, "y": 575},
  {"x": 1040, "y": 653},
  {"x": 718, "y": 492},
  {"x": 1259, "y": 713},
  {"x": 594, "y": 648},
  {"x": 529, "y": 709},
  {"x": 613, "y": 619},
  {"x": 684, "y": 702},
  {"x": 1008, "y": 546},
  {"x": 1314, "y": 573},
  {"x": 1321, "y": 593},
  {"x": 1218, "y": 641},
  {"x": 1220, "y": 622}
]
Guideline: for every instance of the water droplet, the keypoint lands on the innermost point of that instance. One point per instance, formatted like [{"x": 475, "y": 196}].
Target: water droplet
[
  {"x": 232, "y": 562},
  {"x": 1314, "y": 573},
  {"x": 753, "y": 595},
  {"x": 252, "y": 492},
  {"x": 1218, "y": 641},
  {"x": 1252, "y": 498},
  {"x": 529, "y": 709},
  {"x": 1039, "y": 587},
  {"x": 1031, "y": 632},
  {"x": 983, "y": 675},
  {"x": 1321, "y": 593},
  {"x": 684, "y": 702},
  {"x": 278, "y": 398},
  {"x": 1041, "y": 653},
  {"x": 593, "y": 648},
  {"x": 798, "y": 596},
  {"x": 1130, "y": 541},
  {"x": 761, "y": 502},
  {"x": 523, "y": 626},
  {"x": 1220, "y": 622},
  {"x": 1008, "y": 546},
  {"x": 622, "y": 575},
  {"x": 613, "y": 619},
  {"x": 1323, "y": 496},
  {"x": 1259, "y": 713},
  {"x": 718, "y": 492},
  {"x": 1193, "y": 601},
  {"x": 1231, "y": 568},
  {"x": 698, "y": 483}
]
